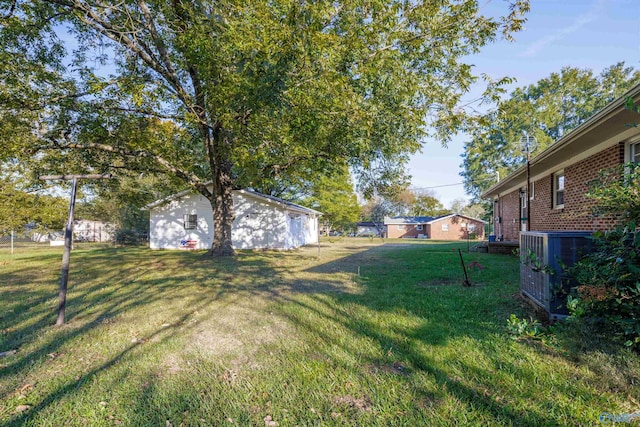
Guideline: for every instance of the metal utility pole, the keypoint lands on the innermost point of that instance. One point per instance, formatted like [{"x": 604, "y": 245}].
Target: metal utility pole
[
  {"x": 68, "y": 236},
  {"x": 528, "y": 144}
]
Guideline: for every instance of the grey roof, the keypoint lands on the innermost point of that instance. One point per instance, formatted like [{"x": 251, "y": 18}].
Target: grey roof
[
  {"x": 368, "y": 224},
  {"x": 423, "y": 219},
  {"x": 553, "y": 153},
  {"x": 408, "y": 219}
]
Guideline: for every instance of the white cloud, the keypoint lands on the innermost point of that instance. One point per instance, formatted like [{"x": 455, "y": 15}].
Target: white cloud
[{"x": 591, "y": 15}]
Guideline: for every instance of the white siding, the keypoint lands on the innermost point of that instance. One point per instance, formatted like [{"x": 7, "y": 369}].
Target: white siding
[
  {"x": 166, "y": 223},
  {"x": 310, "y": 229},
  {"x": 259, "y": 224}
]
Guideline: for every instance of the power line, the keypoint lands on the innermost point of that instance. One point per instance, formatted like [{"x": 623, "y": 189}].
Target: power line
[
  {"x": 438, "y": 186},
  {"x": 452, "y": 185}
]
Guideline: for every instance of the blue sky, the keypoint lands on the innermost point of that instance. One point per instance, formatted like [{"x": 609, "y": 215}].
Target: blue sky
[{"x": 591, "y": 34}]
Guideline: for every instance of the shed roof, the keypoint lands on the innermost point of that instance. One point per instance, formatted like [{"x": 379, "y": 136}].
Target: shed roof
[{"x": 251, "y": 193}]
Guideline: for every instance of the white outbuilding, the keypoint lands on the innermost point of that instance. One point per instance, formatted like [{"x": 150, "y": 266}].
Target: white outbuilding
[{"x": 185, "y": 221}]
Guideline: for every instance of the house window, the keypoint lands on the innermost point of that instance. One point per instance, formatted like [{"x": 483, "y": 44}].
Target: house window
[
  {"x": 419, "y": 227},
  {"x": 558, "y": 190},
  {"x": 400, "y": 226},
  {"x": 190, "y": 221},
  {"x": 634, "y": 152},
  {"x": 445, "y": 227},
  {"x": 532, "y": 190}
]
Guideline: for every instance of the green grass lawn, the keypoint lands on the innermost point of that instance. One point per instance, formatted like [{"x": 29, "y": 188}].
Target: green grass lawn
[{"x": 367, "y": 334}]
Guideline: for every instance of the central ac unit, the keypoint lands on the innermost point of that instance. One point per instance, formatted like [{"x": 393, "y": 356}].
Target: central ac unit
[{"x": 544, "y": 258}]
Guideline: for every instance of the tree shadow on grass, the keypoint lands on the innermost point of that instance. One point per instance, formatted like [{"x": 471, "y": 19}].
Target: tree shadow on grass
[
  {"x": 102, "y": 290},
  {"x": 329, "y": 303},
  {"x": 106, "y": 290},
  {"x": 454, "y": 314}
]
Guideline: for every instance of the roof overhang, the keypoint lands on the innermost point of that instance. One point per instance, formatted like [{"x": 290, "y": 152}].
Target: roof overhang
[
  {"x": 605, "y": 129},
  {"x": 453, "y": 215},
  {"x": 253, "y": 194}
]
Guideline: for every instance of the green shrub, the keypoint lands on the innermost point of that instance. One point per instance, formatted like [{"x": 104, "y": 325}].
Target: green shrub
[
  {"x": 609, "y": 277},
  {"x": 609, "y": 281}
]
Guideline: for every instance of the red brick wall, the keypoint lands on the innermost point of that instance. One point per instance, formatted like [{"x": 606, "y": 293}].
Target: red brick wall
[
  {"x": 576, "y": 214},
  {"x": 509, "y": 213},
  {"x": 410, "y": 231},
  {"x": 434, "y": 231},
  {"x": 456, "y": 230}
]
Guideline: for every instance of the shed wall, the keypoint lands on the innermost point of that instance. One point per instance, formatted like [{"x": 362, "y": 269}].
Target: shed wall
[{"x": 258, "y": 224}]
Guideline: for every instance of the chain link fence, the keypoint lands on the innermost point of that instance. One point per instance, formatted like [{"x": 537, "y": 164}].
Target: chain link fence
[{"x": 85, "y": 236}]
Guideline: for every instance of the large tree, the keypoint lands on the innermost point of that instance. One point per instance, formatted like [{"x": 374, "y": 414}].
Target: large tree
[
  {"x": 426, "y": 203},
  {"x": 334, "y": 196},
  {"x": 22, "y": 206},
  {"x": 225, "y": 94},
  {"x": 546, "y": 110}
]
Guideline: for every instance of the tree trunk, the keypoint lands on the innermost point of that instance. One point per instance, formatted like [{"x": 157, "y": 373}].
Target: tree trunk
[{"x": 223, "y": 212}]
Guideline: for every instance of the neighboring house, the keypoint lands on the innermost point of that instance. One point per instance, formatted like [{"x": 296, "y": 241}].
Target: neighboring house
[
  {"x": 445, "y": 227},
  {"x": 84, "y": 230},
  {"x": 185, "y": 221},
  {"x": 87, "y": 230},
  {"x": 369, "y": 228},
  {"x": 560, "y": 175}
]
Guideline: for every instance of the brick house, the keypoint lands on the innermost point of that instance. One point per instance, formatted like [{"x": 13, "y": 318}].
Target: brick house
[
  {"x": 559, "y": 176},
  {"x": 445, "y": 227}
]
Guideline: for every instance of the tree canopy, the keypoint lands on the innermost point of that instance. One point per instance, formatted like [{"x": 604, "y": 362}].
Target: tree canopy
[
  {"x": 227, "y": 94},
  {"x": 334, "y": 196},
  {"x": 21, "y": 206},
  {"x": 546, "y": 110}
]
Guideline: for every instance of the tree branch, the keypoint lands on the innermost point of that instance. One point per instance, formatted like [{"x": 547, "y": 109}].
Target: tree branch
[
  {"x": 127, "y": 39},
  {"x": 189, "y": 178}
]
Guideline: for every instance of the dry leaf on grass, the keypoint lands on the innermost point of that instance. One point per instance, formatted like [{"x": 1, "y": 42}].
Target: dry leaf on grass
[
  {"x": 268, "y": 422},
  {"x": 361, "y": 404},
  {"x": 22, "y": 408}
]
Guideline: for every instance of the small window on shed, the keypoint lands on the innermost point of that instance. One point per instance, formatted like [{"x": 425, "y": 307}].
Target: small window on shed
[
  {"x": 190, "y": 221},
  {"x": 445, "y": 226},
  {"x": 400, "y": 226}
]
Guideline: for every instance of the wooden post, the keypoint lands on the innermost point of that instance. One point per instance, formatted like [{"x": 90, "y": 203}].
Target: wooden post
[
  {"x": 318, "y": 229},
  {"x": 68, "y": 237}
]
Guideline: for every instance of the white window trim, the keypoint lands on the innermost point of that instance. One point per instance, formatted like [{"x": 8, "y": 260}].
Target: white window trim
[
  {"x": 555, "y": 190},
  {"x": 419, "y": 227},
  {"x": 445, "y": 226},
  {"x": 629, "y": 150},
  {"x": 400, "y": 226},
  {"x": 188, "y": 224},
  {"x": 532, "y": 190}
]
